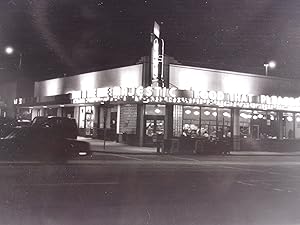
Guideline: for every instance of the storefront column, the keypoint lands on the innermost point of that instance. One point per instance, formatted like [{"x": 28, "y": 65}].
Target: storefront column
[
  {"x": 119, "y": 136},
  {"x": 140, "y": 123},
  {"x": 294, "y": 125},
  {"x": 76, "y": 114},
  {"x": 96, "y": 121},
  {"x": 59, "y": 112},
  {"x": 168, "y": 122},
  {"x": 280, "y": 125},
  {"x": 101, "y": 117},
  {"x": 236, "y": 130}
]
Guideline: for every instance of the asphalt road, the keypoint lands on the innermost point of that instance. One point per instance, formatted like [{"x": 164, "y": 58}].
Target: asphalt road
[{"x": 112, "y": 189}]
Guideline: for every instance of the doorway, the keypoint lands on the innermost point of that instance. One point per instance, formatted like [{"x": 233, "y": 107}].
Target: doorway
[
  {"x": 255, "y": 132},
  {"x": 153, "y": 125}
]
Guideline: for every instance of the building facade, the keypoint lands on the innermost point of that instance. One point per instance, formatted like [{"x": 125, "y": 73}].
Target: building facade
[{"x": 127, "y": 105}]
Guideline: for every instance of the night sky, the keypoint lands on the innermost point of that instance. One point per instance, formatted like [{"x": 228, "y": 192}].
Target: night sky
[{"x": 67, "y": 37}]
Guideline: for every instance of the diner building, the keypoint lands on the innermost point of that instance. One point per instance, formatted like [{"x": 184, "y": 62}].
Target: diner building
[
  {"x": 158, "y": 95},
  {"x": 254, "y": 111}
]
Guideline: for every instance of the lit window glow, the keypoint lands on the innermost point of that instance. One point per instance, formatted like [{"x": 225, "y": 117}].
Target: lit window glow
[
  {"x": 226, "y": 114},
  {"x": 196, "y": 113},
  {"x": 188, "y": 111},
  {"x": 157, "y": 110},
  {"x": 207, "y": 113}
]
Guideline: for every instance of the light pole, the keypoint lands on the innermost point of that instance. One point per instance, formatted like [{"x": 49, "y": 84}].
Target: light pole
[
  {"x": 10, "y": 50},
  {"x": 271, "y": 64}
]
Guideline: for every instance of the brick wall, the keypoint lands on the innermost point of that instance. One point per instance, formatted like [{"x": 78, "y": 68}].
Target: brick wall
[{"x": 128, "y": 120}]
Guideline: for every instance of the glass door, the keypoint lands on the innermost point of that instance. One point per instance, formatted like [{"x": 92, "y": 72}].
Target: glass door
[{"x": 153, "y": 125}]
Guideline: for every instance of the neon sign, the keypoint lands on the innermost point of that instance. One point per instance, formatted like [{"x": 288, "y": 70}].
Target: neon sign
[{"x": 191, "y": 97}]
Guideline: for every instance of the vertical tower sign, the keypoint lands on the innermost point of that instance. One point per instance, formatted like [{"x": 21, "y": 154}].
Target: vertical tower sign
[{"x": 157, "y": 57}]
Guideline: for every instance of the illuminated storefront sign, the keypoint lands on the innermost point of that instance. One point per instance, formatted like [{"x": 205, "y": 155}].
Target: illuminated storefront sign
[
  {"x": 157, "y": 56},
  {"x": 191, "y": 97}
]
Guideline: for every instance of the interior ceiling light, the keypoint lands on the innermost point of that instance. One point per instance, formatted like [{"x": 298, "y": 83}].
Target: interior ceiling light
[
  {"x": 215, "y": 114},
  {"x": 196, "y": 113},
  {"x": 289, "y": 118},
  {"x": 255, "y": 117},
  {"x": 188, "y": 111},
  {"x": 207, "y": 113},
  {"x": 260, "y": 116},
  {"x": 226, "y": 114},
  {"x": 157, "y": 110}
]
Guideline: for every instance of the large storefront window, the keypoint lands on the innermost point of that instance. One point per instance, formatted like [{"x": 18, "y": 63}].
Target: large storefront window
[
  {"x": 209, "y": 122},
  {"x": 287, "y": 127},
  {"x": 194, "y": 121},
  {"x": 191, "y": 120},
  {"x": 224, "y": 122},
  {"x": 86, "y": 118},
  {"x": 258, "y": 124}
]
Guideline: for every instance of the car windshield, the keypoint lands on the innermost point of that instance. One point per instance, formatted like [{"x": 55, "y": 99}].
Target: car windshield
[{"x": 39, "y": 121}]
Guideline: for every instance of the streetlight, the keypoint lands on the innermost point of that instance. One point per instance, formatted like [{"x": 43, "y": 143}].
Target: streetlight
[
  {"x": 10, "y": 50},
  {"x": 271, "y": 64}
]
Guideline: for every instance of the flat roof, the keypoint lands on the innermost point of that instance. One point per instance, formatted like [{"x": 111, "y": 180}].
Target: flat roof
[{"x": 233, "y": 72}]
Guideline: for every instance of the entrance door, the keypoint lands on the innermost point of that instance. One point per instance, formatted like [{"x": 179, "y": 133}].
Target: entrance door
[
  {"x": 153, "y": 125},
  {"x": 255, "y": 132},
  {"x": 88, "y": 124}
]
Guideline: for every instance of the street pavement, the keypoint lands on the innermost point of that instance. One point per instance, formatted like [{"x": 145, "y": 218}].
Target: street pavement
[{"x": 112, "y": 189}]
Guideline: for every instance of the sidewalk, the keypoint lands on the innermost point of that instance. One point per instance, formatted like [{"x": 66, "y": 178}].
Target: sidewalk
[
  {"x": 261, "y": 153},
  {"x": 119, "y": 148},
  {"x": 114, "y": 147}
]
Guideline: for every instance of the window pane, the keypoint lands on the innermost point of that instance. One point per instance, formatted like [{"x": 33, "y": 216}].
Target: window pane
[
  {"x": 224, "y": 122},
  {"x": 245, "y": 120},
  {"x": 155, "y": 110},
  {"x": 258, "y": 124},
  {"x": 209, "y": 121},
  {"x": 287, "y": 125},
  {"x": 191, "y": 120},
  {"x": 297, "y": 127},
  {"x": 81, "y": 117}
]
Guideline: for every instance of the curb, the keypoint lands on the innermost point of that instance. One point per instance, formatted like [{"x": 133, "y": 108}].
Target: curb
[{"x": 199, "y": 155}]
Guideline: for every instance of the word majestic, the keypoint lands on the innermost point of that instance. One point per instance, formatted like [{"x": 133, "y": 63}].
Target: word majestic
[{"x": 163, "y": 94}]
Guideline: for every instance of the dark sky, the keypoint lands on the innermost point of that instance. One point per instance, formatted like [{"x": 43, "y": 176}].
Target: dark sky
[{"x": 58, "y": 37}]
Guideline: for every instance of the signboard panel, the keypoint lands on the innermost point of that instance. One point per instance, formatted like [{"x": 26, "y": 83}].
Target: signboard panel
[{"x": 191, "y": 97}]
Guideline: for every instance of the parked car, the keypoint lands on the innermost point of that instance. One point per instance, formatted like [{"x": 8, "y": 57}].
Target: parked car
[
  {"x": 23, "y": 123},
  {"x": 40, "y": 143},
  {"x": 65, "y": 127},
  {"x": 6, "y": 125}
]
